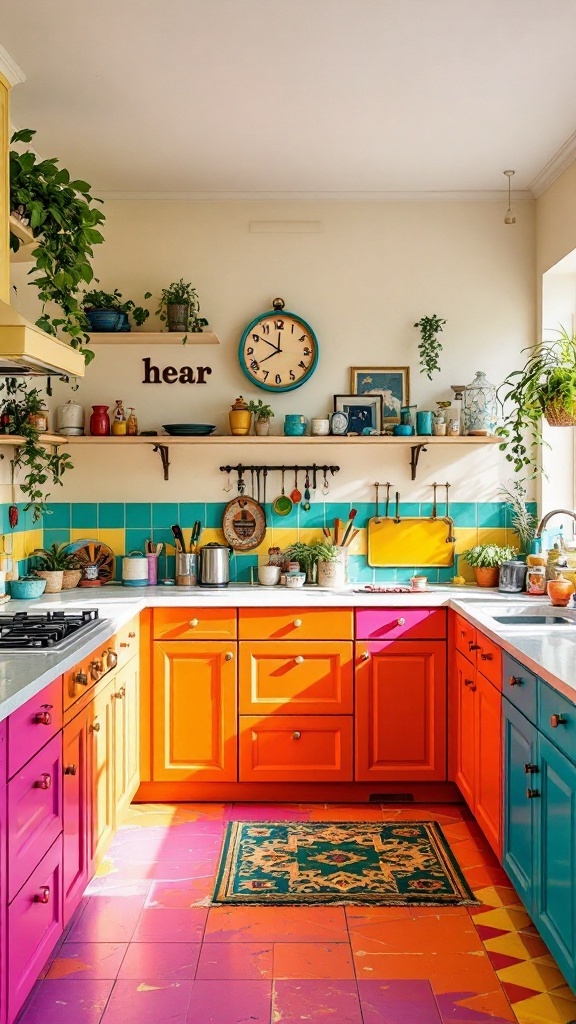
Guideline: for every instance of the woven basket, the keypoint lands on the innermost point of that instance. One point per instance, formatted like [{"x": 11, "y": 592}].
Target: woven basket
[
  {"x": 53, "y": 580},
  {"x": 71, "y": 578},
  {"x": 558, "y": 416}
]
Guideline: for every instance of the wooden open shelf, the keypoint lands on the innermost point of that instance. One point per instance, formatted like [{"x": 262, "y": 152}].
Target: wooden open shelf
[
  {"x": 250, "y": 439},
  {"x": 17, "y": 439},
  {"x": 153, "y": 338}
]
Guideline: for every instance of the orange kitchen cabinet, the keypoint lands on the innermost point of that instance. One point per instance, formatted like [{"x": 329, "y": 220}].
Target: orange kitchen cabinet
[
  {"x": 296, "y": 677},
  {"x": 194, "y": 706},
  {"x": 401, "y": 710},
  {"x": 296, "y": 748},
  {"x": 296, "y": 624},
  {"x": 194, "y": 623},
  {"x": 464, "y": 714}
]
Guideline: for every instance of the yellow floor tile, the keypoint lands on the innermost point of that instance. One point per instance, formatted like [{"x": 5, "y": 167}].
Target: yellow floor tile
[
  {"x": 512, "y": 944},
  {"x": 545, "y": 1009},
  {"x": 530, "y": 974},
  {"x": 506, "y": 918},
  {"x": 497, "y": 896}
]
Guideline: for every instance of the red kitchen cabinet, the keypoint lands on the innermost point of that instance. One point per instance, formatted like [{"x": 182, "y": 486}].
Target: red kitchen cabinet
[{"x": 488, "y": 766}]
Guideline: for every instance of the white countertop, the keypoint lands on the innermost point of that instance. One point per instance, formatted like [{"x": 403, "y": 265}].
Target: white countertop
[{"x": 550, "y": 652}]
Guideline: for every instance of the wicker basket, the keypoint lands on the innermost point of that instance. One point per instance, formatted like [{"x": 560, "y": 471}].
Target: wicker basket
[
  {"x": 53, "y": 580},
  {"x": 71, "y": 578},
  {"x": 558, "y": 416}
]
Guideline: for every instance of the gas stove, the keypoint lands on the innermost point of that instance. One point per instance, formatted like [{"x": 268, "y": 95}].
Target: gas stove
[{"x": 44, "y": 632}]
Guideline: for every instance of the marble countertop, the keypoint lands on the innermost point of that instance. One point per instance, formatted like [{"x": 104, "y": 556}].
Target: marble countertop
[{"x": 549, "y": 651}]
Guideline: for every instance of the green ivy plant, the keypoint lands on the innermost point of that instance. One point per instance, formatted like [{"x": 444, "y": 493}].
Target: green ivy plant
[
  {"x": 66, "y": 226},
  {"x": 545, "y": 386},
  {"x": 41, "y": 466},
  {"x": 429, "y": 347},
  {"x": 113, "y": 300},
  {"x": 182, "y": 293}
]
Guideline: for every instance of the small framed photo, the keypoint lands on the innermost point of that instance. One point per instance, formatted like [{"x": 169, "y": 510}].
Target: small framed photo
[
  {"x": 364, "y": 412},
  {"x": 391, "y": 382}
]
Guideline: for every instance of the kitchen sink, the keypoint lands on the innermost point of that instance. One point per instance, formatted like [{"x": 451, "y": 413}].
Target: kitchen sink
[{"x": 534, "y": 620}]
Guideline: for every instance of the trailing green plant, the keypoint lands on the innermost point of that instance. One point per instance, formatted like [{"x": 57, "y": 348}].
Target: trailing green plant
[
  {"x": 41, "y": 466},
  {"x": 545, "y": 386},
  {"x": 66, "y": 227},
  {"x": 56, "y": 557},
  {"x": 182, "y": 293},
  {"x": 429, "y": 347},
  {"x": 260, "y": 410},
  {"x": 113, "y": 300},
  {"x": 522, "y": 520},
  {"x": 488, "y": 556}
]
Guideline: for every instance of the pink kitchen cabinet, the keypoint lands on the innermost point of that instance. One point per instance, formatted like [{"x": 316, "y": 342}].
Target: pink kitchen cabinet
[
  {"x": 34, "y": 812},
  {"x": 32, "y": 725},
  {"x": 3, "y": 898},
  {"x": 75, "y": 805}
]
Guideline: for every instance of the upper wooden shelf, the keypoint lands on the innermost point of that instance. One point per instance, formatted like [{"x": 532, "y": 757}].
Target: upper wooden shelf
[
  {"x": 153, "y": 338},
  {"x": 17, "y": 439},
  {"x": 276, "y": 439},
  {"x": 27, "y": 240}
]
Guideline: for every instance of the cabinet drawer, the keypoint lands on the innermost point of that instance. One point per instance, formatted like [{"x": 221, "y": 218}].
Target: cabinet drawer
[
  {"x": 293, "y": 677},
  {"x": 194, "y": 623},
  {"x": 519, "y": 686},
  {"x": 489, "y": 661},
  {"x": 34, "y": 812},
  {"x": 127, "y": 640},
  {"x": 401, "y": 623},
  {"x": 465, "y": 638},
  {"x": 296, "y": 624},
  {"x": 34, "y": 926},
  {"x": 557, "y": 720},
  {"x": 33, "y": 725},
  {"x": 296, "y": 749}
]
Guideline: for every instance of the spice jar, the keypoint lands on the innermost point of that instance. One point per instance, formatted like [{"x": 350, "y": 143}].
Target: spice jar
[
  {"x": 536, "y": 580},
  {"x": 39, "y": 420}
]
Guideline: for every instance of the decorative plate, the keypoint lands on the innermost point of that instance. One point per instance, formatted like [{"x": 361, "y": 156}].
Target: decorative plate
[
  {"x": 338, "y": 423},
  {"x": 188, "y": 429},
  {"x": 244, "y": 523},
  {"x": 89, "y": 551}
]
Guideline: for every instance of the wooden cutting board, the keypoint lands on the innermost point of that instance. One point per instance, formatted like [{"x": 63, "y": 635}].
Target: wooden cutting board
[{"x": 411, "y": 542}]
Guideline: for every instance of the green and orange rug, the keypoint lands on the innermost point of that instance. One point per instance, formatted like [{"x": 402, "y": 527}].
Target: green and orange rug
[{"x": 345, "y": 862}]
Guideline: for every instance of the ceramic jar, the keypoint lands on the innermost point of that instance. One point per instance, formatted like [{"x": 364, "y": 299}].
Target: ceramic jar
[
  {"x": 39, "y": 420},
  {"x": 240, "y": 417},
  {"x": 294, "y": 425},
  {"x": 268, "y": 575},
  {"x": 70, "y": 419},
  {"x": 560, "y": 591},
  {"x": 424, "y": 423},
  {"x": 262, "y": 427},
  {"x": 320, "y": 426},
  {"x": 480, "y": 409},
  {"x": 334, "y": 573},
  {"x": 100, "y": 421}
]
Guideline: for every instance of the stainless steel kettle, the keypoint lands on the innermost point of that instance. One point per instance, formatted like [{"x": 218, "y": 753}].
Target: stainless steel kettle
[
  {"x": 512, "y": 576},
  {"x": 215, "y": 565}
]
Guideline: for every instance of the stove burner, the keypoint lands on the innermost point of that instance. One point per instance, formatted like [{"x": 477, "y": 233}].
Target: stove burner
[{"x": 29, "y": 631}]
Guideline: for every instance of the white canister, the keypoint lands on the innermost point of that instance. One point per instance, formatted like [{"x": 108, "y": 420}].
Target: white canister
[
  {"x": 70, "y": 419},
  {"x": 135, "y": 570},
  {"x": 320, "y": 426}
]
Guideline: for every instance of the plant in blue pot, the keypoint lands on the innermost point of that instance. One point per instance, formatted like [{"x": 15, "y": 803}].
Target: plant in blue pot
[{"x": 108, "y": 311}]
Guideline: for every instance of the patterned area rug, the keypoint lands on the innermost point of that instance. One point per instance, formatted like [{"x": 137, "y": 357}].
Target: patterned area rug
[{"x": 345, "y": 862}]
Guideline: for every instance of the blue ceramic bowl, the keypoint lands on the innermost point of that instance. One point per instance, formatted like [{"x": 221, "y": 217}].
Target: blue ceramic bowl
[
  {"x": 403, "y": 430},
  {"x": 25, "y": 590}
]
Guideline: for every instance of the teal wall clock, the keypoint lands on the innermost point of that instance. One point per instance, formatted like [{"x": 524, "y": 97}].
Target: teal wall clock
[{"x": 278, "y": 351}]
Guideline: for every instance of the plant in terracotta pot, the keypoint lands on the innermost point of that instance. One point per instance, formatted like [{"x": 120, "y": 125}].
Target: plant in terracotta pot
[
  {"x": 179, "y": 308},
  {"x": 58, "y": 567},
  {"x": 486, "y": 560},
  {"x": 545, "y": 386},
  {"x": 262, "y": 415}
]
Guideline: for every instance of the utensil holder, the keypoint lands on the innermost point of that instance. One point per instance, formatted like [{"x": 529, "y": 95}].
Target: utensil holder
[
  {"x": 152, "y": 560},
  {"x": 186, "y": 569}
]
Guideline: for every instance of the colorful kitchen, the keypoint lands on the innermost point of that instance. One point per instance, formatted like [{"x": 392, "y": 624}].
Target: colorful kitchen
[{"x": 287, "y": 617}]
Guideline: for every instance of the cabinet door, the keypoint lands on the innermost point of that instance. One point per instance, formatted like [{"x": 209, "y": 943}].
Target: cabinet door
[
  {"x": 125, "y": 694},
  {"x": 194, "y": 711},
  {"x": 521, "y": 783},
  {"x": 75, "y": 873},
  {"x": 401, "y": 711},
  {"x": 488, "y": 767},
  {"x": 304, "y": 748},
  {"x": 464, "y": 727},
  {"x": 556, "y": 856},
  {"x": 100, "y": 731}
]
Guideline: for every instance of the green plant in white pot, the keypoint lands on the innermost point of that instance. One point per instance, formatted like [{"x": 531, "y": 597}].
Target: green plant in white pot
[
  {"x": 262, "y": 416},
  {"x": 331, "y": 562},
  {"x": 486, "y": 560}
]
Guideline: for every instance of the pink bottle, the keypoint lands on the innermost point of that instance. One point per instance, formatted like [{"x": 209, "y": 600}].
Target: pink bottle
[{"x": 100, "y": 421}]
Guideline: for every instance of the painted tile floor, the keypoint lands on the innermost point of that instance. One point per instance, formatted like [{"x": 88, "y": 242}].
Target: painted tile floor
[{"x": 146, "y": 948}]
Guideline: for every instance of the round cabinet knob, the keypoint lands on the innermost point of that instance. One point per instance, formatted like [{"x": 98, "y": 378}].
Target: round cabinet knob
[
  {"x": 299, "y": 659},
  {"x": 95, "y": 727},
  {"x": 45, "y": 782},
  {"x": 401, "y": 622},
  {"x": 70, "y": 769},
  {"x": 532, "y": 793},
  {"x": 556, "y": 720},
  {"x": 515, "y": 681},
  {"x": 44, "y": 717},
  {"x": 131, "y": 635},
  {"x": 365, "y": 656},
  {"x": 80, "y": 678},
  {"x": 194, "y": 623},
  {"x": 228, "y": 656},
  {"x": 43, "y": 896},
  {"x": 297, "y": 623},
  {"x": 296, "y": 735}
]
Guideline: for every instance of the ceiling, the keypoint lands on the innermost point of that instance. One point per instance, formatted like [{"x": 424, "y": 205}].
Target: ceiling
[{"x": 297, "y": 98}]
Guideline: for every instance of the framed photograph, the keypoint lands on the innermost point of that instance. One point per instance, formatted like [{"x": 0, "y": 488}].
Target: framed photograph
[
  {"x": 391, "y": 382},
  {"x": 364, "y": 412}
]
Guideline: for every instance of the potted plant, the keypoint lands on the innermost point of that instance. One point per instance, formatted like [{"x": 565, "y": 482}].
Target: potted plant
[
  {"x": 486, "y": 560},
  {"x": 55, "y": 562},
  {"x": 179, "y": 308},
  {"x": 306, "y": 555},
  {"x": 331, "y": 560},
  {"x": 522, "y": 520},
  {"x": 262, "y": 416},
  {"x": 108, "y": 311},
  {"x": 545, "y": 386},
  {"x": 429, "y": 347},
  {"x": 66, "y": 225}
]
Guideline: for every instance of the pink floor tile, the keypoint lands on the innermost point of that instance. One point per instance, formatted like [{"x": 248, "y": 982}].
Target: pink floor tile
[
  {"x": 276, "y": 924},
  {"x": 67, "y": 1002},
  {"x": 179, "y": 895},
  {"x": 230, "y": 1002},
  {"x": 148, "y": 1002},
  {"x": 107, "y": 919},
  {"x": 231, "y": 960},
  {"x": 79, "y": 960},
  {"x": 171, "y": 925},
  {"x": 168, "y": 961},
  {"x": 185, "y": 869},
  {"x": 316, "y": 1002},
  {"x": 398, "y": 1002}
]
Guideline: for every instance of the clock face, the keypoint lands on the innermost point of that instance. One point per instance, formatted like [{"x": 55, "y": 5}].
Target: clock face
[{"x": 278, "y": 351}]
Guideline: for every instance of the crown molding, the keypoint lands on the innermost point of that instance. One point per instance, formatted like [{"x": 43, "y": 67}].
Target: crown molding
[
  {"x": 553, "y": 169},
  {"x": 9, "y": 68},
  {"x": 487, "y": 196}
]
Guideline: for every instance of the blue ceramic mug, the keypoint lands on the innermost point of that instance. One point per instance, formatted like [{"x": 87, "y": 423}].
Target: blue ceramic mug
[
  {"x": 424, "y": 423},
  {"x": 294, "y": 425}
]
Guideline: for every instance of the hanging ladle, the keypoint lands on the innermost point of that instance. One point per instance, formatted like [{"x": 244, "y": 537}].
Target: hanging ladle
[{"x": 296, "y": 495}]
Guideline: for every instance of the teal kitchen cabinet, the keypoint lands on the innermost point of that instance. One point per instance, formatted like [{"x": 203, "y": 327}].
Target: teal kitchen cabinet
[{"x": 521, "y": 784}]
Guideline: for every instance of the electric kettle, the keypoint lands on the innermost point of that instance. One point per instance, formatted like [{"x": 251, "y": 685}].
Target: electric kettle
[{"x": 215, "y": 565}]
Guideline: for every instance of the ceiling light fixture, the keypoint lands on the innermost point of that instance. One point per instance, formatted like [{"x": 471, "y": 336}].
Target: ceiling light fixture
[{"x": 509, "y": 218}]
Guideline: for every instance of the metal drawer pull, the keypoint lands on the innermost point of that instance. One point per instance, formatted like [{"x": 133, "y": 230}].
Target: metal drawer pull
[
  {"x": 96, "y": 669},
  {"x": 43, "y": 717},
  {"x": 70, "y": 769},
  {"x": 531, "y": 793},
  {"x": 131, "y": 634},
  {"x": 95, "y": 727},
  {"x": 228, "y": 656},
  {"x": 81, "y": 678},
  {"x": 112, "y": 657},
  {"x": 296, "y": 735},
  {"x": 486, "y": 657},
  {"x": 365, "y": 656},
  {"x": 194, "y": 622},
  {"x": 515, "y": 681},
  {"x": 401, "y": 622},
  {"x": 556, "y": 720},
  {"x": 121, "y": 692},
  {"x": 45, "y": 782},
  {"x": 43, "y": 896},
  {"x": 298, "y": 659},
  {"x": 531, "y": 769},
  {"x": 472, "y": 646},
  {"x": 297, "y": 623}
]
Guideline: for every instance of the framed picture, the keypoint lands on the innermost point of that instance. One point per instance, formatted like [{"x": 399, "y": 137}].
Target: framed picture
[
  {"x": 391, "y": 382},
  {"x": 364, "y": 412}
]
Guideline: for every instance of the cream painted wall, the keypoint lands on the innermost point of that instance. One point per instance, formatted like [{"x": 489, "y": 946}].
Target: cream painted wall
[
  {"x": 556, "y": 221},
  {"x": 361, "y": 282}
]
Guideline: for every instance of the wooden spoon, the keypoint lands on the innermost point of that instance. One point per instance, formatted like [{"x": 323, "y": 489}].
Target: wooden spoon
[{"x": 296, "y": 495}]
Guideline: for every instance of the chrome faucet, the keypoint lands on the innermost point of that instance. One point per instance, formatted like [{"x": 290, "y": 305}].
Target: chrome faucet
[{"x": 555, "y": 512}]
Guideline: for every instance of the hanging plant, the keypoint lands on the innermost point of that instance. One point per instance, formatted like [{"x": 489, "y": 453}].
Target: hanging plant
[
  {"x": 41, "y": 466},
  {"x": 429, "y": 347},
  {"x": 65, "y": 225}
]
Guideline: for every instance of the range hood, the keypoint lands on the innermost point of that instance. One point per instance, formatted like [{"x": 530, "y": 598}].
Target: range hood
[{"x": 26, "y": 351}]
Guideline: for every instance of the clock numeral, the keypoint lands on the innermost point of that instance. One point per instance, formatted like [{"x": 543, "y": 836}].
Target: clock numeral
[
  {"x": 306, "y": 351},
  {"x": 279, "y": 325},
  {"x": 293, "y": 326},
  {"x": 266, "y": 372},
  {"x": 292, "y": 375},
  {"x": 254, "y": 365},
  {"x": 303, "y": 338},
  {"x": 302, "y": 364},
  {"x": 250, "y": 352},
  {"x": 278, "y": 378},
  {"x": 265, "y": 328},
  {"x": 255, "y": 337}
]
